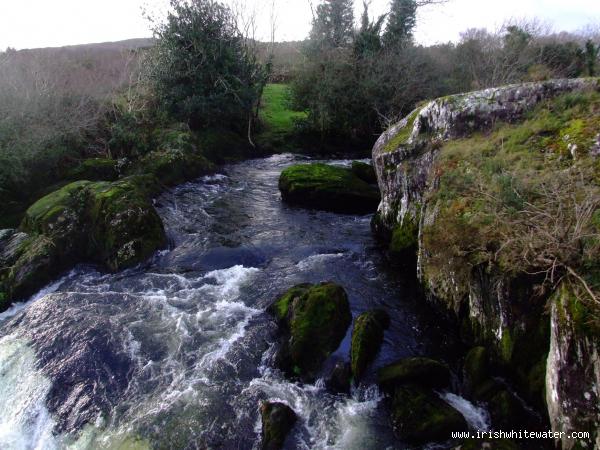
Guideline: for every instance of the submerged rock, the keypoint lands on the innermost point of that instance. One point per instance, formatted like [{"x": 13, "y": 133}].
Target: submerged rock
[
  {"x": 367, "y": 337},
  {"x": 364, "y": 171},
  {"x": 420, "y": 416},
  {"x": 278, "y": 419},
  {"x": 315, "y": 319},
  {"x": 329, "y": 188},
  {"x": 420, "y": 371}
]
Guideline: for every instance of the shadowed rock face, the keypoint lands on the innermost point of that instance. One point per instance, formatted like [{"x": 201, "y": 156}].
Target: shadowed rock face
[{"x": 498, "y": 306}]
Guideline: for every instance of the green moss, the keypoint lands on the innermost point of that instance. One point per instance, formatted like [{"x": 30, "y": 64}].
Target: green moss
[
  {"x": 95, "y": 169},
  {"x": 113, "y": 223},
  {"x": 405, "y": 237},
  {"x": 506, "y": 345},
  {"x": 280, "y": 308},
  {"x": 43, "y": 214},
  {"x": 574, "y": 311},
  {"x": 316, "y": 319},
  {"x": 37, "y": 261},
  {"x": 476, "y": 366},
  {"x": 367, "y": 336},
  {"x": 420, "y": 416},
  {"x": 327, "y": 187},
  {"x": 416, "y": 370},
  {"x": 401, "y": 137}
]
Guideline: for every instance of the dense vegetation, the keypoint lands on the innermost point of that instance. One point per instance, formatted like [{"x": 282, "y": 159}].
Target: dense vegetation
[{"x": 378, "y": 61}]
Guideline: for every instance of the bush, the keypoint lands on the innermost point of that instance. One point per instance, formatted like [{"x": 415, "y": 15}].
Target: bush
[{"x": 203, "y": 70}]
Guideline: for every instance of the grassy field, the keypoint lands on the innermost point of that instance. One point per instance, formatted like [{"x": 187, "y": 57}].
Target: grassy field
[{"x": 277, "y": 118}]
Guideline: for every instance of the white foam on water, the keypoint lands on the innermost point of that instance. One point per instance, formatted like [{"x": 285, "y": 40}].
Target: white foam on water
[
  {"x": 315, "y": 260},
  {"x": 329, "y": 421},
  {"x": 18, "y": 307},
  {"x": 25, "y": 423},
  {"x": 477, "y": 417}
]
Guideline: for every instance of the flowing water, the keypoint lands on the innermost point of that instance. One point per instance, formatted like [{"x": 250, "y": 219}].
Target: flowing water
[{"x": 177, "y": 353}]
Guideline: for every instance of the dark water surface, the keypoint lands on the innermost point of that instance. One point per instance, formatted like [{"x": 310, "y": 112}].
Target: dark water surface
[{"x": 177, "y": 353}]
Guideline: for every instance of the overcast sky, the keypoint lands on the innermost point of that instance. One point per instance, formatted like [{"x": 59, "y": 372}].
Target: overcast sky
[{"x": 46, "y": 23}]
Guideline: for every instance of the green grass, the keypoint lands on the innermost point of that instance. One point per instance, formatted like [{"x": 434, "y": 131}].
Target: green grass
[{"x": 276, "y": 115}]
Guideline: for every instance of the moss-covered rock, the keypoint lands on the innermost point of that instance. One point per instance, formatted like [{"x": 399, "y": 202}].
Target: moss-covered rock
[
  {"x": 367, "y": 336},
  {"x": 26, "y": 263},
  {"x": 404, "y": 241},
  {"x": 278, "y": 419},
  {"x": 364, "y": 171},
  {"x": 176, "y": 159},
  {"x": 418, "y": 370},
  {"x": 476, "y": 367},
  {"x": 329, "y": 188},
  {"x": 315, "y": 319},
  {"x": 95, "y": 169},
  {"x": 110, "y": 223},
  {"x": 37, "y": 261},
  {"x": 420, "y": 416},
  {"x": 506, "y": 410}
]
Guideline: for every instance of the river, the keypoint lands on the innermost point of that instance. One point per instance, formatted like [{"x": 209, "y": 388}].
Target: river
[{"x": 177, "y": 353}]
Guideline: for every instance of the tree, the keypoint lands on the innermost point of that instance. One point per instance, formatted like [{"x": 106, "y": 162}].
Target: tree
[
  {"x": 402, "y": 20},
  {"x": 333, "y": 24},
  {"x": 204, "y": 71},
  {"x": 591, "y": 57},
  {"x": 368, "y": 39}
]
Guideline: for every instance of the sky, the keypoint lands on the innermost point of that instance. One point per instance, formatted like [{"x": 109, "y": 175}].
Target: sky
[{"x": 50, "y": 23}]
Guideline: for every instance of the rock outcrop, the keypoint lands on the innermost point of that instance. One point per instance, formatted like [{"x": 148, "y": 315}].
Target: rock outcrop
[{"x": 500, "y": 308}]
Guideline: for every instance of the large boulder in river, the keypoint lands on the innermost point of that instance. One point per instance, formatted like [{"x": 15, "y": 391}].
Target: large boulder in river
[
  {"x": 420, "y": 416},
  {"x": 328, "y": 188},
  {"x": 278, "y": 419},
  {"x": 367, "y": 336},
  {"x": 26, "y": 264},
  {"x": 113, "y": 224},
  {"x": 315, "y": 319},
  {"x": 110, "y": 223},
  {"x": 421, "y": 371}
]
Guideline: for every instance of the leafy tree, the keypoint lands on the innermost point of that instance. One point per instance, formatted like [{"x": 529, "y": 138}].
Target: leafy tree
[
  {"x": 204, "y": 71},
  {"x": 368, "y": 39},
  {"x": 333, "y": 24},
  {"x": 591, "y": 57},
  {"x": 402, "y": 20}
]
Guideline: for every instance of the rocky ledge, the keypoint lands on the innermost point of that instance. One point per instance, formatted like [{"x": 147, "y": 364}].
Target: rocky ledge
[{"x": 474, "y": 187}]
